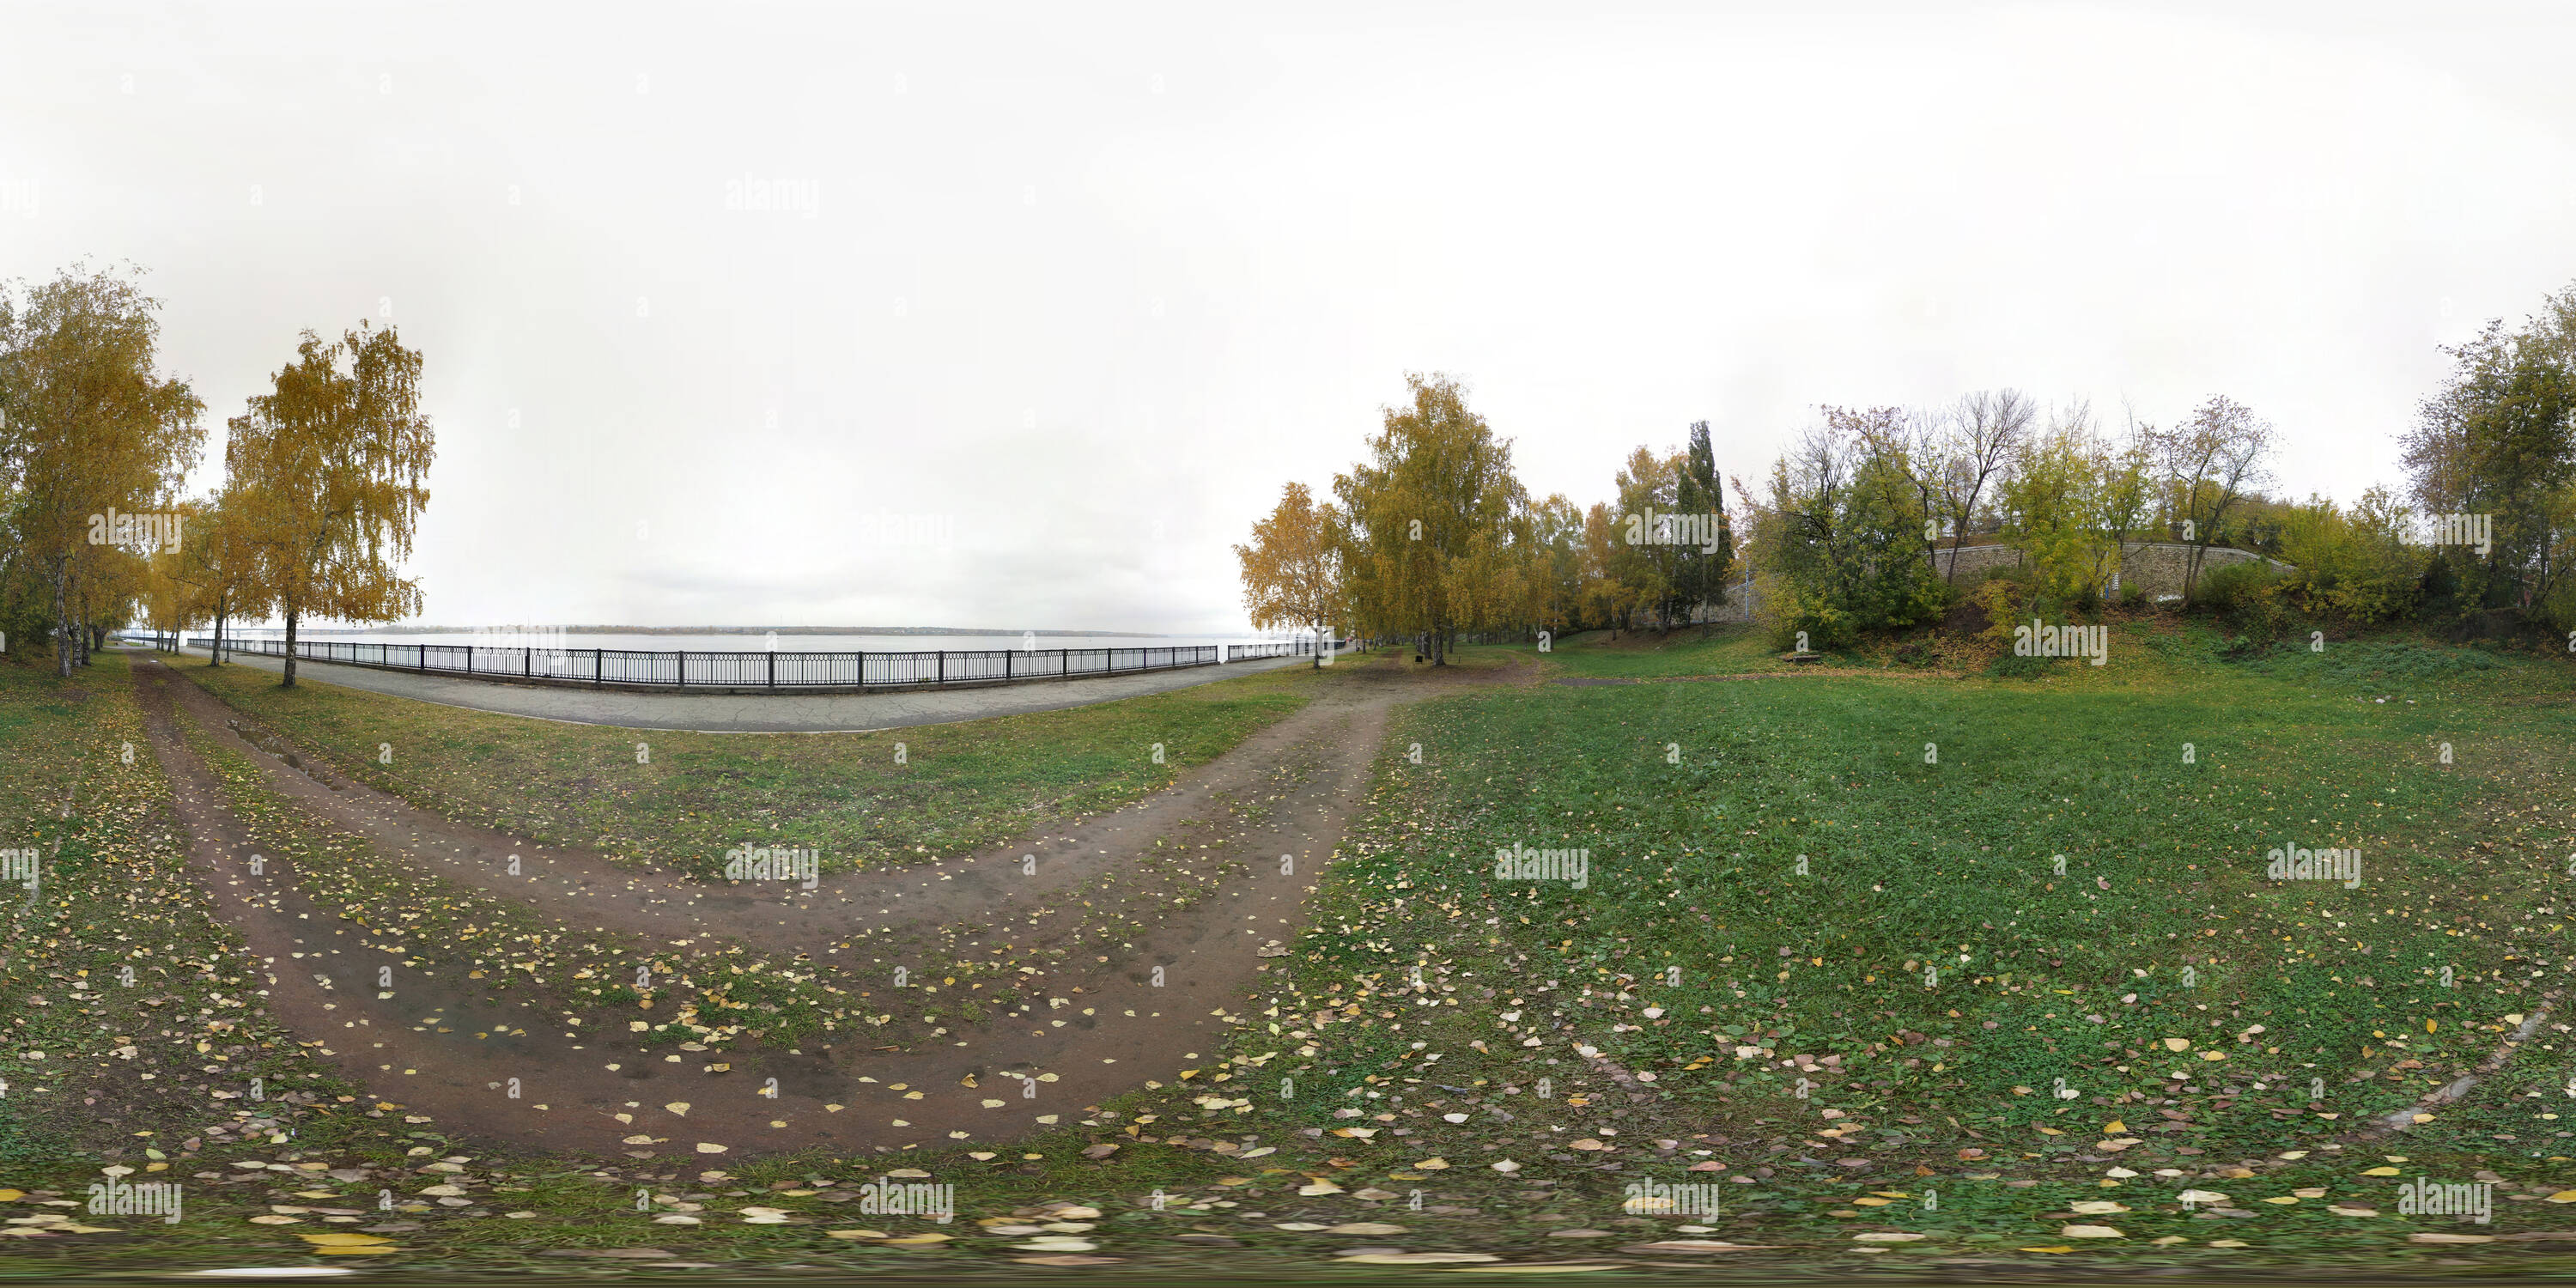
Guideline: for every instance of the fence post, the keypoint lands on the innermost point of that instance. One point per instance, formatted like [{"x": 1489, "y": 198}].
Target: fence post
[
  {"x": 773, "y": 668},
  {"x": 943, "y": 666},
  {"x": 683, "y": 664},
  {"x": 863, "y": 668},
  {"x": 596, "y": 668}
]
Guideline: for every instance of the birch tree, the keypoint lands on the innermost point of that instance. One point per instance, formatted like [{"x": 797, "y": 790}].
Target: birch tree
[
  {"x": 219, "y": 566},
  {"x": 1292, "y": 571},
  {"x": 88, "y": 425},
  {"x": 1426, "y": 515},
  {"x": 330, "y": 469}
]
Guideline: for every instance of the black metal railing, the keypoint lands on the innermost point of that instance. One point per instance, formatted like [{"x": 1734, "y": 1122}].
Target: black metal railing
[{"x": 684, "y": 668}]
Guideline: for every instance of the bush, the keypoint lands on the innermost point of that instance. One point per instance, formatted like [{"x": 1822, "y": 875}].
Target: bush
[
  {"x": 2354, "y": 564},
  {"x": 2251, "y": 598},
  {"x": 2004, "y": 598},
  {"x": 2226, "y": 589},
  {"x": 1840, "y": 546}
]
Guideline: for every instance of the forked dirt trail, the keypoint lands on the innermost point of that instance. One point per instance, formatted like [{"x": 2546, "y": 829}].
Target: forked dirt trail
[{"x": 440, "y": 1048}]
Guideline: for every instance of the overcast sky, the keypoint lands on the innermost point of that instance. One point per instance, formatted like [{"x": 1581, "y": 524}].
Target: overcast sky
[{"x": 1082, "y": 285}]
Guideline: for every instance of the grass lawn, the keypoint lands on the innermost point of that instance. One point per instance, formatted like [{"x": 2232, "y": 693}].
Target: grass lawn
[
  {"x": 114, "y": 967},
  {"x": 1930, "y": 1031},
  {"x": 1931, "y": 991},
  {"x": 680, "y": 800},
  {"x": 1726, "y": 650}
]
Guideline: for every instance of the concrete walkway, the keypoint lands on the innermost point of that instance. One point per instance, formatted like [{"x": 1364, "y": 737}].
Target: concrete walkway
[{"x": 754, "y": 713}]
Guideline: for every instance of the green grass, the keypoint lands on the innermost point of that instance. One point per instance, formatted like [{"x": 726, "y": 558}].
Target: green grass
[
  {"x": 1727, "y": 650},
  {"x": 114, "y": 897},
  {"x": 1693, "y": 866},
  {"x": 679, "y": 800},
  {"x": 2163, "y": 925},
  {"x": 2348, "y": 665}
]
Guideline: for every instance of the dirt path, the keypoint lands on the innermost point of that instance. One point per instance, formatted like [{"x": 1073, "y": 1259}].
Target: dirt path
[{"x": 447, "y": 1052}]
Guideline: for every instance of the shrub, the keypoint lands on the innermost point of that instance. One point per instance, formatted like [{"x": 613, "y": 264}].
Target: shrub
[
  {"x": 2354, "y": 564},
  {"x": 2226, "y": 589},
  {"x": 2005, "y": 600},
  {"x": 2251, "y": 598},
  {"x": 1840, "y": 544}
]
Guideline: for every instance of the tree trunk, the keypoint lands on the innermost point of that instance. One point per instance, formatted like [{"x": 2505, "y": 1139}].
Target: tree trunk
[
  {"x": 62, "y": 622},
  {"x": 289, "y": 681},
  {"x": 217, "y": 658}
]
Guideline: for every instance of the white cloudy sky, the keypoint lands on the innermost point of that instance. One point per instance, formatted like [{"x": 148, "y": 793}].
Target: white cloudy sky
[{"x": 1090, "y": 282}]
